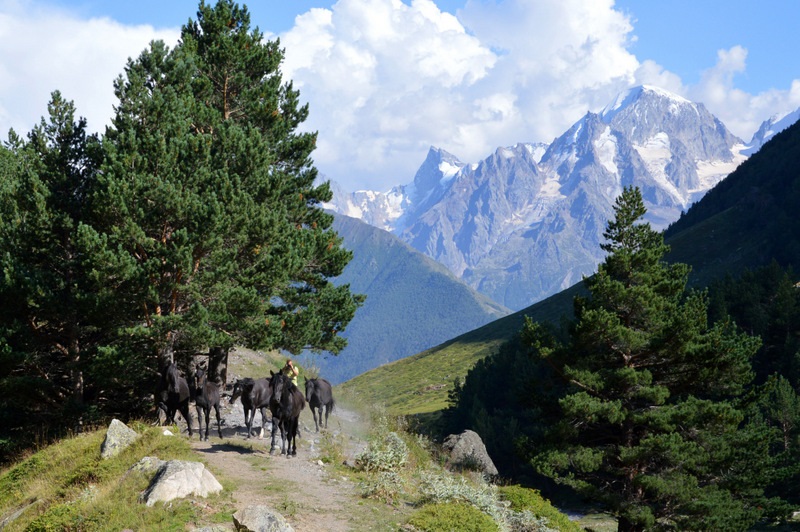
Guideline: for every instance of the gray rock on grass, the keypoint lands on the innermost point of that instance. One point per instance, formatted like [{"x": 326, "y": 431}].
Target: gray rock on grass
[{"x": 118, "y": 437}]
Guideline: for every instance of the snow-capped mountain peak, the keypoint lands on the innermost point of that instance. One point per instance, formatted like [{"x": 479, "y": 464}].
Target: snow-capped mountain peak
[
  {"x": 636, "y": 94},
  {"x": 769, "y": 128},
  {"x": 527, "y": 221}
]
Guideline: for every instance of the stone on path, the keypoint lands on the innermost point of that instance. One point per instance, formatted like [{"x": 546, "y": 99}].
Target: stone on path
[{"x": 260, "y": 519}]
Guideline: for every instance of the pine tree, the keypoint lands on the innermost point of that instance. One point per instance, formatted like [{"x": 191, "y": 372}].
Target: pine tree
[
  {"x": 51, "y": 310},
  {"x": 651, "y": 423},
  {"x": 210, "y": 199}
]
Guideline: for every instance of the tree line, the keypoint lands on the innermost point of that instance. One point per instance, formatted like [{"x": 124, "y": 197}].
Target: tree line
[
  {"x": 192, "y": 223},
  {"x": 674, "y": 409}
]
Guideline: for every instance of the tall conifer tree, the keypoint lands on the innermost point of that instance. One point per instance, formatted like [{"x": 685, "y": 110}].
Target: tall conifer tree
[
  {"x": 650, "y": 423},
  {"x": 51, "y": 310},
  {"x": 209, "y": 189}
]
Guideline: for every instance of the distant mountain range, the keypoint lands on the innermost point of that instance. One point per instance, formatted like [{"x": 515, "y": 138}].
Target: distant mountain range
[{"x": 527, "y": 221}]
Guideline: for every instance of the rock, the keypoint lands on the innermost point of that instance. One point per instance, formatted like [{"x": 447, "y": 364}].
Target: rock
[
  {"x": 260, "y": 519},
  {"x": 118, "y": 437},
  {"x": 178, "y": 478},
  {"x": 148, "y": 464},
  {"x": 13, "y": 516},
  {"x": 467, "y": 451}
]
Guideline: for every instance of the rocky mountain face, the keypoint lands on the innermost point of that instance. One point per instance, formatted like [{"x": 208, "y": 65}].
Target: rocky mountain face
[{"x": 527, "y": 221}]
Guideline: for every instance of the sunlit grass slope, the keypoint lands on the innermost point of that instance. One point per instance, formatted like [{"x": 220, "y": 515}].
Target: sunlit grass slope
[{"x": 420, "y": 383}]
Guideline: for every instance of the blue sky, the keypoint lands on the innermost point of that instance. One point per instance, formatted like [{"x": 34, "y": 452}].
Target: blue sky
[{"x": 387, "y": 79}]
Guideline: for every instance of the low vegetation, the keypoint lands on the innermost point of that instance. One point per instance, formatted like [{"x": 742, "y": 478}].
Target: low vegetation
[
  {"x": 404, "y": 469},
  {"x": 68, "y": 486}
]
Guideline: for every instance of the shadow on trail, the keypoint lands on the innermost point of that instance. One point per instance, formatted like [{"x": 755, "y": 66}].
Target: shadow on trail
[{"x": 230, "y": 448}]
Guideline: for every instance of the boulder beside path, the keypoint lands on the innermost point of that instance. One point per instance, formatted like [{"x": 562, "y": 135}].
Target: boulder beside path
[
  {"x": 178, "y": 478},
  {"x": 467, "y": 451}
]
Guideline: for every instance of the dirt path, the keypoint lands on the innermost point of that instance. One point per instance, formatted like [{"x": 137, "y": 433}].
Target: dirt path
[{"x": 307, "y": 492}]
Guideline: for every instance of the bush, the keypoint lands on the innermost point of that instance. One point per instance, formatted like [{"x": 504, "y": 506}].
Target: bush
[
  {"x": 447, "y": 517},
  {"x": 387, "y": 453},
  {"x": 439, "y": 488},
  {"x": 529, "y": 500},
  {"x": 386, "y": 486}
]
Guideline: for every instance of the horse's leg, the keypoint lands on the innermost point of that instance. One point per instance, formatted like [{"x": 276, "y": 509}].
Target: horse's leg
[
  {"x": 187, "y": 416},
  {"x": 248, "y": 421},
  {"x": 327, "y": 411},
  {"x": 314, "y": 413},
  {"x": 263, "y": 422},
  {"x": 283, "y": 434},
  {"x": 199, "y": 410},
  {"x": 219, "y": 423},
  {"x": 207, "y": 412},
  {"x": 293, "y": 434},
  {"x": 274, "y": 430}
]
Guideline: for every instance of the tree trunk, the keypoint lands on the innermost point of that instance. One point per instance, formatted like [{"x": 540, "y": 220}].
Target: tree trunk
[
  {"x": 624, "y": 525},
  {"x": 218, "y": 366}
]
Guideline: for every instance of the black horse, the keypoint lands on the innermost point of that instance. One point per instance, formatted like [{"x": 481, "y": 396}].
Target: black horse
[
  {"x": 255, "y": 395},
  {"x": 319, "y": 395},
  {"x": 173, "y": 395},
  {"x": 286, "y": 404},
  {"x": 206, "y": 397}
]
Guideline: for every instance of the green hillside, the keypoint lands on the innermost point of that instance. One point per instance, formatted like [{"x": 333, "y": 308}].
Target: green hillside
[
  {"x": 413, "y": 302},
  {"x": 419, "y": 383},
  {"x": 747, "y": 221}
]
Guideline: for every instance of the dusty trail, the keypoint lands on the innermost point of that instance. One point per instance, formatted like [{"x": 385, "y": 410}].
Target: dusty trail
[{"x": 308, "y": 493}]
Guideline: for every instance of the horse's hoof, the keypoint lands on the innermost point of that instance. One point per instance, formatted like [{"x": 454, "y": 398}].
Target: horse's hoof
[{"x": 272, "y": 451}]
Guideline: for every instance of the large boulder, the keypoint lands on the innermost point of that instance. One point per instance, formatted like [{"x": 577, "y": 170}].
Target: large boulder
[
  {"x": 118, "y": 437},
  {"x": 260, "y": 519},
  {"x": 467, "y": 451},
  {"x": 176, "y": 479}
]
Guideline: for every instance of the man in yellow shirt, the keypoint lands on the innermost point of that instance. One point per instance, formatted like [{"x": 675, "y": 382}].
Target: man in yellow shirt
[{"x": 290, "y": 371}]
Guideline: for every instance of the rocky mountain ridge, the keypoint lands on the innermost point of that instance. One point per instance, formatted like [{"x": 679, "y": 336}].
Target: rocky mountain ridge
[{"x": 527, "y": 221}]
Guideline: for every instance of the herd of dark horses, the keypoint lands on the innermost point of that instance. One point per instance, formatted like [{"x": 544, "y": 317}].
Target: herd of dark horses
[{"x": 277, "y": 393}]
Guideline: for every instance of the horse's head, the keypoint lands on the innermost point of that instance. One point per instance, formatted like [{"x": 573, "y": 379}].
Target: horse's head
[
  {"x": 238, "y": 388},
  {"x": 200, "y": 378},
  {"x": 311, "y": 385},
  {"x": 280, "y": 385}
]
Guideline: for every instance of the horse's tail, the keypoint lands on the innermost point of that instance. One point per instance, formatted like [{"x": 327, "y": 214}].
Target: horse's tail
[{"x": 332, "y": 405}]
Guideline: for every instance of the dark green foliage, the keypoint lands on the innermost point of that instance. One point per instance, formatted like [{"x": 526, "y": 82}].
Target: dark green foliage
[
  {"x": 650, "y": 424},
  {"x": 53, "y": 314},
  {"x": 642, "y": 405},
  {"x": 764, "y": 303},
  {"x": 451, "y": 516}
]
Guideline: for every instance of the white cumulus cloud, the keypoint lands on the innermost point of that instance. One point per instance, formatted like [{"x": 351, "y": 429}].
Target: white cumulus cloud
[
  {"x": 43, "y": 49},
  {"x": 386, "y": 79}
]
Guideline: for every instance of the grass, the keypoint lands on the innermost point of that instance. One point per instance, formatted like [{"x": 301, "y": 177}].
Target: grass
[
  {"x": 67, "y": 486},
  {"x": 255, "y": 364}
]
